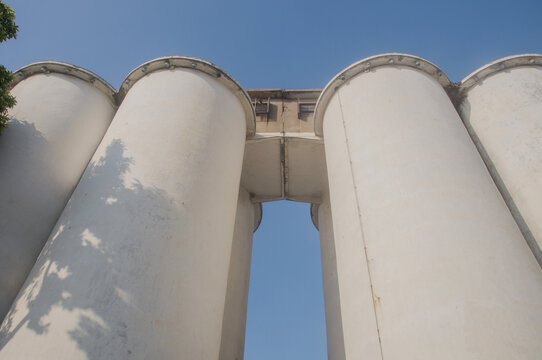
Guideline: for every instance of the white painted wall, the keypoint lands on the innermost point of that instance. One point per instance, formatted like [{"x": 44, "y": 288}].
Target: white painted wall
[
  {"x": 330, "y": 279},
  {"x": 137, "y": 266},
  {"x": 504, "y": 114},
  {"x": 419, "y": 224},
  {"x": 235, "y": 312},
  {"x": 56, "y": 126}
]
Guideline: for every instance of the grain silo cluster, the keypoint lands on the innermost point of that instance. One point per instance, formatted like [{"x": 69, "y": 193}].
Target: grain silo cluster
[{"x": 127, "y": 229}]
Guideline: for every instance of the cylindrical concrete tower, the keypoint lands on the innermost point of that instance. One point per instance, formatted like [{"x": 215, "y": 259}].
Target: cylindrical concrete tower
[
  {"x": 61, "y": 115},
  {"x": 321, "y": 215},
  {"x": 502, "y": 109},
  {"x": 137, "y": 265},
  {"x": 247, "y": 220},
  {"x": 430, "y": 263}
]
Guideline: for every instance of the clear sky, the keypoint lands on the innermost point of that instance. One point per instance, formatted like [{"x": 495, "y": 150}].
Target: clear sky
[{"x": 274, "y": 44}]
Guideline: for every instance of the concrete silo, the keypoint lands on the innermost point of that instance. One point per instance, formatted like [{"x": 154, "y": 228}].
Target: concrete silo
[
  {"x": 61, "y": 115},
  {"x": 247, "y": 220},
  {"x": 139, "y": 262},
  {"x": 502, "y": 109},
  {"x": 428, "y": 262}
]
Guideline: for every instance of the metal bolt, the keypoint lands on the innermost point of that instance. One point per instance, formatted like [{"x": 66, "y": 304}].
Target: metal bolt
[
  {"x": 391, "y": 61},
  {"x": 144, "y": 68},
  {"x": 439, "y": 74},
  {"x": 44, "y": 69},
  {"x": 166, "y": 63},
  {"x": 475, "y": 77},
  {"x": 68, "y": 71},
  {"x": 92, "y": 80},
  {"x": 417, "y": 63},
  {"x": 531, "y": 61},
  {"x": 194, "y": 65},
  {"x": 218, "y": 75},
  {"x": 342, "y": 77}
]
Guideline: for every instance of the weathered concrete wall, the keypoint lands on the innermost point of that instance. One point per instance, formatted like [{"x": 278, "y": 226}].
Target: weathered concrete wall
[
  {"x": 504, "y": 115},
  {"x": 137, "y": 266},
  {"x": 439, "y": 265},
  {"x": 284, "y": 160},
  {"x": 55, "y": 128}
]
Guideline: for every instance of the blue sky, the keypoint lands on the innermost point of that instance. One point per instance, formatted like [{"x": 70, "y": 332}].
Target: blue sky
[{"x": 274, "y": 44}]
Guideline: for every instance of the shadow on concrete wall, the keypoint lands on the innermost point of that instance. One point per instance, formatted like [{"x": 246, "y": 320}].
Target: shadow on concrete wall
[
  {"x": 25, "y": 168},
  {"x": 92, "y": 274}
]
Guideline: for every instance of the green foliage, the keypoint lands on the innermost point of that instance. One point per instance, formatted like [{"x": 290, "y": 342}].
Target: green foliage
[
  {"x": 8, "y": 30},
  {"x": 6, "y": 100}
]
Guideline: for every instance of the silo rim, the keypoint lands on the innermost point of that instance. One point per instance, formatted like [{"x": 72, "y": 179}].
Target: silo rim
[
  {"x": 499, "y": 65},
  {"x": 371, "y": 63},
  {"x": 178, "y": 61},
  {"x": 47, "y": 67}
]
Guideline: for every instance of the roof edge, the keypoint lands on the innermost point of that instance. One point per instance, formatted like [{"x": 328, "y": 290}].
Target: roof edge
[
  {"x": 499, "y": 65},
  {"x": 47, "y": 67},
  {"x": 177, "y": 61},
  {"x": 368, "y": 64}
]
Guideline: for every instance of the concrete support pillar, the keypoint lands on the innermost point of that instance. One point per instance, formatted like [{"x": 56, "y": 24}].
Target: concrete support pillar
[
  {"x": 137, "y": 265},
  {"x": 430, "y": 263},
  {"x": 61, "y": 115},
  {"x": 235, "y": 312},
  {"x": 332, "y": 298},
  {"x": 502, "y": 108}
]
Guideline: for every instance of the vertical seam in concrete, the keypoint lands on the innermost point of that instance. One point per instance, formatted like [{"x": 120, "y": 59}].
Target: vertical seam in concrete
[
  {"x": 283, "y": 129},
  {"x": 283, "y": 169},
  {"x": 503, "y": 190},
  {"x": 360, "y": 224},
  {"x": 283, "y": 152}
]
